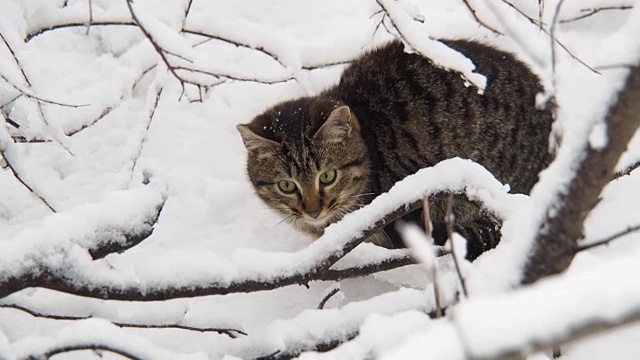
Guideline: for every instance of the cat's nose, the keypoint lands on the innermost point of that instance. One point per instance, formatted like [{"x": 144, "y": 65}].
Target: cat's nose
[{"x": 312, "y": 206}]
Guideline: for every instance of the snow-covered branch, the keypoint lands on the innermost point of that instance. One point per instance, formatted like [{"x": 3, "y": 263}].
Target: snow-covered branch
[
  {"x": 208, "y": 274},
  {"x": 95, "y": 334},
  {"x": 232, "y": 333},
  {"x": 531, "y": 319},
  {"x": 556, "y": 244},
  {"x": 68, "y": 240}
]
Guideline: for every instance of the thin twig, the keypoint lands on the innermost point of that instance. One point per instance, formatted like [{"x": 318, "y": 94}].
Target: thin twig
[
  {"x": 143, "y": 141},
  {"x": 26, "y": 79},
  {"x": 108, "y": 109},
  {"x": 327, "y": 297},
  {"x": 233, "y": 77},
  {"x": 552, "y": 34},
  {"x": 375, "y": 30},
  {"x": 186, "y": 12},
  {"x": 478, "y": 20},
  {"x": 12, "y": 123},
  {"x": 30, "y": 35},
  {"x": 449, "y": 220},
  {"x": 72, "y": 348},
  {"x": 609, "y": 238},
  {"x": 626, "y": 171},
  {"x": 24, "y": 140},
  {"x": 21, "y": 180},
  {"x": 229, "y": 332},
  {"x": 155, "y": 45},
  {"x": 36, "y": 97},
  {"x": 428, "y": 230},
  {"x": 540, "y": 12},
  {"x": 90, "y": 17},
  {"x": 590, "y": 12},
  {"x": 540, "y": 25},
  {"x": 531, "y": 20}
]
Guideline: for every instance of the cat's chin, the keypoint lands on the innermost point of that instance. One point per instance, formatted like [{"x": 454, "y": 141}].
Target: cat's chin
[{"x": 316, "y": 226}]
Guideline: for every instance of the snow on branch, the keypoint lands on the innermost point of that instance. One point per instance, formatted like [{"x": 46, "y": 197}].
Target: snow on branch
[
  {"x": 69, "y": 239},
  {"x": 556, "y": 244},
  {"x": 232, "y": 333},
  {"x": 6, "y": 154},
  {"x": 95, "y": 334},
  {"x": 323, "y": 330},
  {"x": 531, "y": 319},
  {"x": 209, "y": 274}
]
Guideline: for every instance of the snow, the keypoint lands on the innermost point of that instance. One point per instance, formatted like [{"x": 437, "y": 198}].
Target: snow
[
  {"x": 213, "y": 229},
  {"x": 549, "y": 309}
]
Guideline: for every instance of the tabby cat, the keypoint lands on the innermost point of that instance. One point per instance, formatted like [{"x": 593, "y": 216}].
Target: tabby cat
[{"x": 315, "y": 159}]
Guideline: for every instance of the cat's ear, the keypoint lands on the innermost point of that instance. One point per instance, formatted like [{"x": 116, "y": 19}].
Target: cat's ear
[
  {"x": 253, "y": 141},
  {"x": 338, "y": 125}
]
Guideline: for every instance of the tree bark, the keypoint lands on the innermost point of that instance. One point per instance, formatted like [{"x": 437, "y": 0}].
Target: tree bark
[{"x": 557, "y": 243}]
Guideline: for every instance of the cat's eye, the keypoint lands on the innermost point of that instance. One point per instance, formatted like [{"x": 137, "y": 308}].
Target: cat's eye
[
  {"x": 287, "y": 186},
  {"x": 328, "y": 177}
]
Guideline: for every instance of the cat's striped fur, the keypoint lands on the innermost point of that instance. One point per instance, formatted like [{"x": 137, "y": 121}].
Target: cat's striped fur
[{"x": 391, "y": 114}]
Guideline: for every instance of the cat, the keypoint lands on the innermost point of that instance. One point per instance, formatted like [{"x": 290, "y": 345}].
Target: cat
[{"x": 316, "y": 158}]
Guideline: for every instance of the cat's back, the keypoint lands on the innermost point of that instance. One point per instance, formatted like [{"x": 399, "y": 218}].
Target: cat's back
[{"x": 414, "y": 114}]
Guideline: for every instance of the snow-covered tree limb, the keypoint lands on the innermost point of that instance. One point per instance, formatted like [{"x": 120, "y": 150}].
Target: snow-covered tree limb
[
  {"x": 556, "y": 244},
  {"x": 95, "y": 334},
  {"x": 89, "y": 232},
  {"x": 531, "y": 319},
  {"x": 79, "y": 274}
]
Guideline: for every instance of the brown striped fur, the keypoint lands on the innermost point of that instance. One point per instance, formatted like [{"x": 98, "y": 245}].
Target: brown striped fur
[{"x": 391, "y": 114}]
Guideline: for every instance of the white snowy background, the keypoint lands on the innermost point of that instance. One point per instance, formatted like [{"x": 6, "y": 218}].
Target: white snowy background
[{"x": 135, "y": 121}]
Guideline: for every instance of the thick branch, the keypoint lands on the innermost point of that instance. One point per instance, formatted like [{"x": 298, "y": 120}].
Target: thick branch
[
  {"x": 319, "y": 271},
  {"x": 556, "y": 244},
  {"x": 312, "y": 263}
]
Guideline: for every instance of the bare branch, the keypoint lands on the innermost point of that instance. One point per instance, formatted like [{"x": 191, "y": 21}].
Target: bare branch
[
  {"x": 21, "y": 180},
  {"x": 186, "y": 12},
  {"x": 152, "y": 110},
  {"x": 531, "y": 20},
  {"x": 234, "y": 77},
  {"x": 450, "y": 219},
  {"x": 591, "y": 11},
  {"x": 478, "y": 20},
  {"x": 609, "y": 238},
  {"x": 90, "y": 17},
  {"x": 432, "y": 267},
  {"x": 103, "y": 347},
  {"x": 552, "y": 35},
  {"x": 26, "y": 79},
  {"x": 626, "y": 171},
  {"x": 327, "y": 297},
  {"x": 30, "y": 35},
  {"x": 153, "y": 42},
  {"x": 541, "y": 27},
  {"x": 228, "y": 332},
  {"x": 556, "y": 244}
]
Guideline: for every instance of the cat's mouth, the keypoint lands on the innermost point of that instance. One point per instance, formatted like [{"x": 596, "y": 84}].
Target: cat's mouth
[{"x": 322, "y": 221}]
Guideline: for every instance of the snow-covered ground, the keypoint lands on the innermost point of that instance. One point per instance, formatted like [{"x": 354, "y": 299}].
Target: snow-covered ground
[{"x": 212, "y": 226}]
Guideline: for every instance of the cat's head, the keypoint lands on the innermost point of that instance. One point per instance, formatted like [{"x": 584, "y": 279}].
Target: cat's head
[{"x": 307, "y": 160}]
